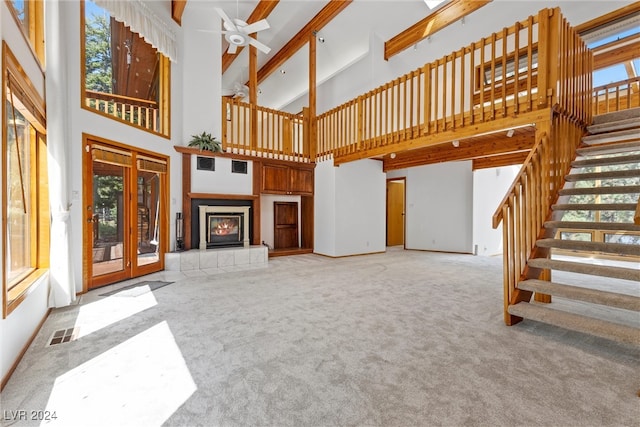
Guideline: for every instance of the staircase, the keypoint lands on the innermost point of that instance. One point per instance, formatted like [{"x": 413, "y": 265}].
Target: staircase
[{"x": 593, "y": 224}]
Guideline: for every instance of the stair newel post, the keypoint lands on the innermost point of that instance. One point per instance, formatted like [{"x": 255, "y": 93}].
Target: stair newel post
[{"x": 548, "y": 51}]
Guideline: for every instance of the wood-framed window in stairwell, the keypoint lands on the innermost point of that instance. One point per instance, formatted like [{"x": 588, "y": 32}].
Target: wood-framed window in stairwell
[
  {"x": 29, "y": 15},
  {"x": 25, "y": 197},
  {"x": 124, "y": 78}
]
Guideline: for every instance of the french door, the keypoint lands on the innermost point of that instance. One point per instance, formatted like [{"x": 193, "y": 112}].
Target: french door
[{"x": 125, "y": 224}]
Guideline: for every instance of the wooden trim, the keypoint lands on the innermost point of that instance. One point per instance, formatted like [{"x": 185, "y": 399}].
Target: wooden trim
[
  {"x": 434, "y": 22},
  {"x": 616, "y": 52},
  {"x": 186, "y": 200},
  {"x": 223, "y": 196},
  {"x": 35, "y": 41},
  {"x": 25, "y": 347},
  {"x": 177, "y": 9},
  {"x": 13, "y": 74},
  {"x": 131, "y": 189},
  {"x": 501, "y": 160},
  {"x": 262, "y": 10},
  {"x": 591, "y": 25},
  {"x": 322, "y": 18}
]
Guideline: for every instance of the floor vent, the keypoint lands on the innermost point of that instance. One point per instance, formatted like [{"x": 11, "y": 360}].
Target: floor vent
[{"x": 62, "y": 336}]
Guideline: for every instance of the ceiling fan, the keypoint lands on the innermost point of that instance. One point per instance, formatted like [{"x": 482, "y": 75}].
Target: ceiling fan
[
  {"x": 238, "y": 91},
  {"x": 237, "y": 32}
]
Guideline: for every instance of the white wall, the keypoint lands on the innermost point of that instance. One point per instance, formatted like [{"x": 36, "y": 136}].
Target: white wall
[
  {"x": 267, "y": 219},
  {"x": 324, "y": 207},
  {"x": 22, "y": 322},
  {"x": 489, "y": 188},
  {"x": 221, "y": 181},
  {"x": 439, "y": 207},
  {"x": 350, "y": 208}
]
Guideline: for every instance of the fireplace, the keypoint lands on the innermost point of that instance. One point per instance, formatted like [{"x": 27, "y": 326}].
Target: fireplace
[{"x": 223, "y": 226}]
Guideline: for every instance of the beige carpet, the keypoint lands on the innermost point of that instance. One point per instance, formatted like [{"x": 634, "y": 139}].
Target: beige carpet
[{"x": 397, "y": 339}]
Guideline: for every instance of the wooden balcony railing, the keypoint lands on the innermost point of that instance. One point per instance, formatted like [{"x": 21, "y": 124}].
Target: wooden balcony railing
[
  {"x": 510, "y": 75},
  {"x": 140, "y": 112},
  {"x": 528, "y": 202},
  {"x": 616, "y": 96},
  {"x": 277, "y": 135}
]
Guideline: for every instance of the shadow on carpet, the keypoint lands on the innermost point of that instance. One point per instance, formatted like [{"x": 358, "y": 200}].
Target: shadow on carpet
[{"x": 137, "y": 289}]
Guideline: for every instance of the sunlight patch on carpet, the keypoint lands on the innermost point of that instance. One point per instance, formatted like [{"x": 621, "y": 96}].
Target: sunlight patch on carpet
[{"x": 140, "y": 382}]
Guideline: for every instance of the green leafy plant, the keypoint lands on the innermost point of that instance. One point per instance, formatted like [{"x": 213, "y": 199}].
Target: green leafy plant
[{"x": 205, "y": 141}]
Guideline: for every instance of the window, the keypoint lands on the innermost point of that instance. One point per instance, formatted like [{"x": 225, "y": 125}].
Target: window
[
  {"x": 30, "y": 17},
  {"x": 125, "y": 78},
  {"x": 25, "y": 198}
]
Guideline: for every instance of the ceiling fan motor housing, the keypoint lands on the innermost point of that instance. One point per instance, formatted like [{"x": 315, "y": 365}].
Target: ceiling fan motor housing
[{"x": 237, "y": 38}]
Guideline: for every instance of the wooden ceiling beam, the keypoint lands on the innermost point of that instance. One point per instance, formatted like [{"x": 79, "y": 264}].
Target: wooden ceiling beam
[
  {"x": 262, "y": 10},
  {"x": 616, "y": 52},
  {"x": 471, "y": 148},
  {"x": 177, "y": 8},
  {"x": 605, "y": 19},
  {"x": 499, "y": 161},
  {"x": 322, "y": 18},
  {"x": 446, "y": 15}
]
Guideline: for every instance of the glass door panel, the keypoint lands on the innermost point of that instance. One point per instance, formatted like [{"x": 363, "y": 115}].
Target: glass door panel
[
  {"x": 148, "y": 214},
  {"x": 109, "y": 222}
]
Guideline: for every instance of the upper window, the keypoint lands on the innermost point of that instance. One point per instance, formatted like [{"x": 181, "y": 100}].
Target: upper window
[
  {"x": 25, "y": 199},
  {"x": 125, "y": 78},
  {"x": 30, "y": 16}
]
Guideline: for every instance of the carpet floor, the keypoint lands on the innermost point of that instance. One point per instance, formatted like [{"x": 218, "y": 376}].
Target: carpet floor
[{"x": 403, "y": 338}]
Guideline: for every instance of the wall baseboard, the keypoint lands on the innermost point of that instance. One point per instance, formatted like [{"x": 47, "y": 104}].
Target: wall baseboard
[{"x": 6, "y": 378}]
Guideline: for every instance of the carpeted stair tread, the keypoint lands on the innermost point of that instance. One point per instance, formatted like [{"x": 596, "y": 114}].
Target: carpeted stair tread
[
  {"x": 618, "y": 147},
  {"x": 576, "y": 322},
  {"x": 631, "y": 113},
  {"x": 584, "y": 268},
  {"x": 631, "y": 173},
  {"x": 604, "y": 161},
  {"x": 623, "y": 189},
  {"x": 614, "y": 125},
  {"x": 578, "y": 245},
  {"x": 595, "y": 296},
  {"x": 587, "y": 225},
  {"x": 595, "y": 207},
  {"x": 615, "y": 136}
]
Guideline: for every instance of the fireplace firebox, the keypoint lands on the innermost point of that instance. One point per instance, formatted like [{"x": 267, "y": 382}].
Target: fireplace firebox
[{"x": 223, "y": 226}]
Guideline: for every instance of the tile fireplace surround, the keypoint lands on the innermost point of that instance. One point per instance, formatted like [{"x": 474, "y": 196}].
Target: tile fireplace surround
[{"x": 217, "y": 260}]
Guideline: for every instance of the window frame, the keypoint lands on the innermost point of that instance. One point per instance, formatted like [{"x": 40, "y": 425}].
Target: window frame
[
  {"x": 14, "y": 293},
  {"x": 33, "y": 29},
  {"x": 164, "y": 96}
]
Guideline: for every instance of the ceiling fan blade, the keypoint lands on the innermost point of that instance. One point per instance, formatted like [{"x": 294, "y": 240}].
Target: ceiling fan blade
[
  {"x": 256, "y": 26},
  {"x": 232, "y": 49},
  {"x": 260, "y": 46},
  {"x": 228, "y": 23},
  {"x": 240, "y": 22}
]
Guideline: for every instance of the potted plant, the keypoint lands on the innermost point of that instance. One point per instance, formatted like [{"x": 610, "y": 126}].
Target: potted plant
[{"x": 205, "y": 141}]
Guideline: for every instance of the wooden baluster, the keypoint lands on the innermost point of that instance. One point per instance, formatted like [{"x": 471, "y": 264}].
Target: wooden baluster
[
  {"x": 516, "y": 69},
  {"x": 493, "y": 77},
  {"x": 435, "y": 96},
  {"x": 463, "y": 53},
  {"x": 472, "y": 83},
  {"x": 427, "y": 98},
  {"x": 483, "y": 78},
  {"x": 453, "y": 91},
  {"x": 444, "y": 94},
  {"x": 530, "y": 64},
  {"x": 505, "y": 35}
]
